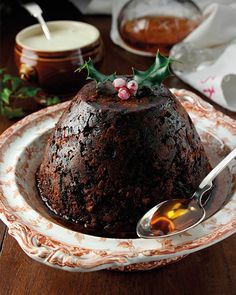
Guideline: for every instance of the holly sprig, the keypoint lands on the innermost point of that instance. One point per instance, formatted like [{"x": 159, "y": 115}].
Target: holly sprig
[
  {"x": 12, "y": 89},
  {"x": 149, "y": 79}
]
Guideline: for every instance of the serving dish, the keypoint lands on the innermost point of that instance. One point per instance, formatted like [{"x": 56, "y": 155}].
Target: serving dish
[{"x": 45, "y": 240}]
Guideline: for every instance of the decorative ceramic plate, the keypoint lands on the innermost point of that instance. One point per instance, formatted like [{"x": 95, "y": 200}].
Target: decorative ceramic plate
[{"x": 45, "y": 240}]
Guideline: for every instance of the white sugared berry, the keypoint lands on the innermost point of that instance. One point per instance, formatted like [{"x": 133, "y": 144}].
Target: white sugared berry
[
  {"x": 132, "y": 86},
  {"x": 118, "y": 83},
  {"x": 123, "y": 93}
]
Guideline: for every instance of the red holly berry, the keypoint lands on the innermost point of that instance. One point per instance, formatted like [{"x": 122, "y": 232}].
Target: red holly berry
[
  {"x": 118, "y": 83},
  {"x": 123, "y": 93},
  {"x": 132, "y": 86}
]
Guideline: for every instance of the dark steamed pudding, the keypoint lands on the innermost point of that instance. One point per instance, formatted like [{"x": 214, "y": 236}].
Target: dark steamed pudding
[{"x": 108, "y": 161}]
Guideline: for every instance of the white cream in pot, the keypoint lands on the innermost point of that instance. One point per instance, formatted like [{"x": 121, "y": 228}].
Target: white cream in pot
[{"x": 65, "y": 35}]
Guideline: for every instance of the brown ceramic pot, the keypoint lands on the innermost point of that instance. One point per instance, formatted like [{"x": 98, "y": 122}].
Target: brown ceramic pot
[{"x": 54, "y": 71}]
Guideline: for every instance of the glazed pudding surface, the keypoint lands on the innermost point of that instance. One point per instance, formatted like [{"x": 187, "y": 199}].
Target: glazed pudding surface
[{"x": 108, "y": 161}]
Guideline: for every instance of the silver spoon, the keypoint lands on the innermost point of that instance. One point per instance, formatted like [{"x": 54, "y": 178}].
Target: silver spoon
[
  {"x": 36, "y": 11},
  {"x": 178, "y": 215}
]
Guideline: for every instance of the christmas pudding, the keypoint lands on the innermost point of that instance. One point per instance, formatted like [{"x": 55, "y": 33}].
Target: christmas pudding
[{"x": 122, "y": 146}]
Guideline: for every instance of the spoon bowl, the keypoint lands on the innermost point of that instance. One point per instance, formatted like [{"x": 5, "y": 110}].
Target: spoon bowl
[{"x": 170, "y": 218}]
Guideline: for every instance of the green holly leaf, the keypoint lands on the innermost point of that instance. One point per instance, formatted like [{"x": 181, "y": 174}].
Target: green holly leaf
[
  {"x": 25, "y": 92},
  {"x": 5, "y": 95},
  {"x": 155, "y": 74},
  {"x": 52, "y": 100},
  {"x": 15, "y": 83},
  {"x": 6, "y": 78},
  {"x": 13, "y": 89},
  {"x": 13, "y": 113},
  {"x": 94, "y": 74}
]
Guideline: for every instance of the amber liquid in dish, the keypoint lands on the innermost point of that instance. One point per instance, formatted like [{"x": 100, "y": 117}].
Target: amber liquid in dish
[
  {"x": 150, "y": 33},
  {"x": 175, "y": 216}
]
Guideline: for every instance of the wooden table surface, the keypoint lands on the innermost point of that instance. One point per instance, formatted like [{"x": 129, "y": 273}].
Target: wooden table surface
[{"x": 210, "y": 271}]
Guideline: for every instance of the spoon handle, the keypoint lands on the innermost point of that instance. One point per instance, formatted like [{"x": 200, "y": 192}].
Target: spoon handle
[
  {"x": 44, "y": 27},
  {"x": 35, "y": 10},
  {"x": 212, "y": 175}
]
